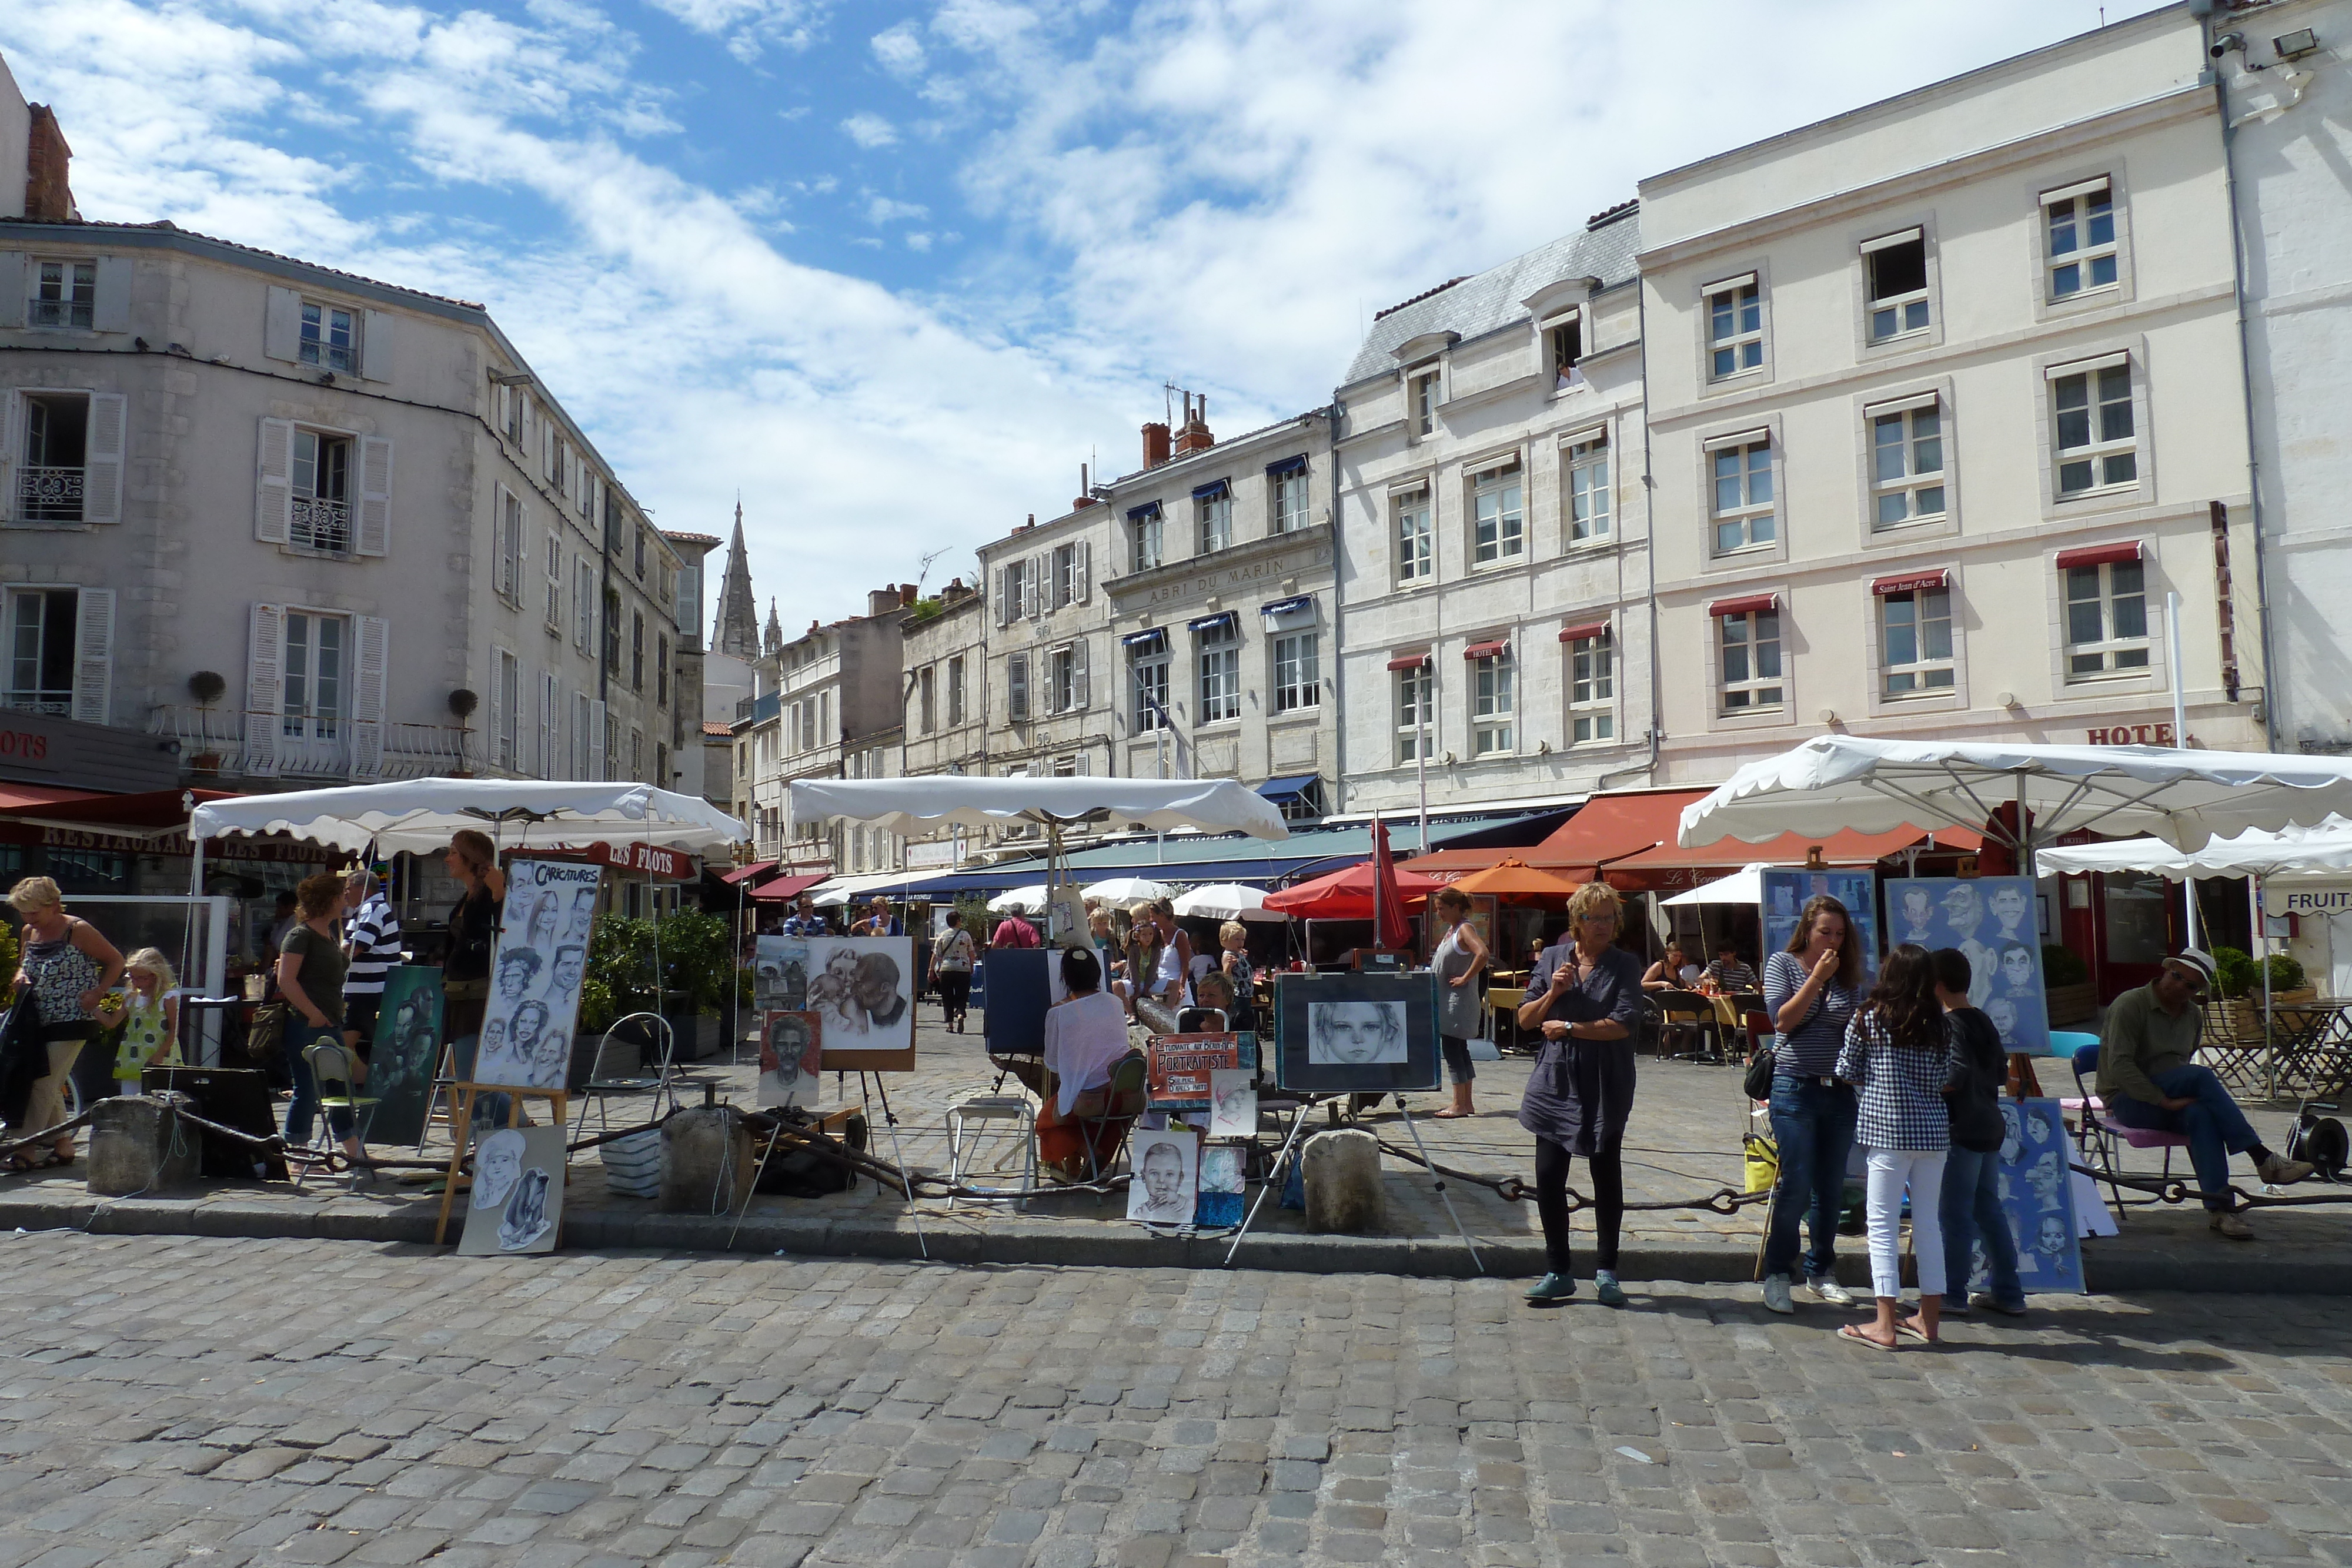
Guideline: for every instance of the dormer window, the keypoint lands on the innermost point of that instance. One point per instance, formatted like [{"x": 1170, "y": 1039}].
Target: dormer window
[
  {"x": 1564, "y": 350},
  {"x": 328, "y": 338},
  {"x": 65, "y": 294}
]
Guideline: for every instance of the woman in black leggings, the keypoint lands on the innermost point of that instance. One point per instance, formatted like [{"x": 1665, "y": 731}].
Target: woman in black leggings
[{"x": 1581, "y": 1091}]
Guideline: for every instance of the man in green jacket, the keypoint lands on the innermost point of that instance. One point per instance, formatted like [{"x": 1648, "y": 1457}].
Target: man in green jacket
[{"x": 2149, "y": 1079}]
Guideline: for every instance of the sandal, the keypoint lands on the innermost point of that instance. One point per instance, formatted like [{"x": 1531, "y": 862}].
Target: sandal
[
  {"x": 1913, "y": 1330},
  {"x": 1855, "y": 1332}
]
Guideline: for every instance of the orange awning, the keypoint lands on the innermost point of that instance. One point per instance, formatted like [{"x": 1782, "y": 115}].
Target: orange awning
[{"x": 1671, "y": 866}]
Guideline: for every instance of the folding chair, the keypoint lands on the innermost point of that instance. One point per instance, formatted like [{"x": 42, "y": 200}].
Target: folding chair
[
  {"x": 603, "y": 1091},
  {"x": 336, "y": 1079},
  {"x": 1017, "y": 1109},
  {"x": 2093, "y": 1132},
  {"x": 1122, "y": 1101}
]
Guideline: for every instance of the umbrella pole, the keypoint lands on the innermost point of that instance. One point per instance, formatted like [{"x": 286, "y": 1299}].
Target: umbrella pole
[{"x": 2270, "y": 1043}]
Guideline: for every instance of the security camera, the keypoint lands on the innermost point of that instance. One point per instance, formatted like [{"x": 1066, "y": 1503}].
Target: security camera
[{"x": 2225, "y": 43}]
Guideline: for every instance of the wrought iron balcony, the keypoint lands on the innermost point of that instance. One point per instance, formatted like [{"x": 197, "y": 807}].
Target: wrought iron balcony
[
  {"x": 79, "y": 313},
  {"x": 49, "y": 494},
  {"x": 321, "y": 525}
]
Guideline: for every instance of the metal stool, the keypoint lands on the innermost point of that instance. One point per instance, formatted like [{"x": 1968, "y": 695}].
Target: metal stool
[{"x": 1016, "y": 1109}]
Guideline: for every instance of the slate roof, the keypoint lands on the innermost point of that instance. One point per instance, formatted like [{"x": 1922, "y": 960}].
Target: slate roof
[
  {"x": 166, "y": 230},
  {"x": 1479, "y": 304}
]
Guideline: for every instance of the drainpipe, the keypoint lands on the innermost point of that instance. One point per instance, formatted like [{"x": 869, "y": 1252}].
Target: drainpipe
[
  {"x": 1650, "y": 564},
  {"x": 1336, "y": 664}
]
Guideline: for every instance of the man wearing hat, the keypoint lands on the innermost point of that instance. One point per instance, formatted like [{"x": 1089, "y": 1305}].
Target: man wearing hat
[{"x": 2149, "y": 1078}]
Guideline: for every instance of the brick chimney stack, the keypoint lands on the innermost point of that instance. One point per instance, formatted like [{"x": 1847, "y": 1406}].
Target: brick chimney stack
[
  {"x": 1155, "y": 446},
  {"x": 48, "y": 196},
  {"x": 1194, "y": 436},
  {"x": 906, "y": 596}
]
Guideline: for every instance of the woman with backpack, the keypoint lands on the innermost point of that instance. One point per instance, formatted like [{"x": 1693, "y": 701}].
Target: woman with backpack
[
  {"x": 1900, "y": 1058},
  {"x": 951, "y": 963}
]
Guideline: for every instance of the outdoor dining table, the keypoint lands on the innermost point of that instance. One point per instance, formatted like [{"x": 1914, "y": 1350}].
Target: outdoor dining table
[{"x": 2314, "y": 1045}]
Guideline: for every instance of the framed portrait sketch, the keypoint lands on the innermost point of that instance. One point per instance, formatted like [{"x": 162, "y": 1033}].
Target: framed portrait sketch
[
  {"x": 790, "y": 1047},
  {"x": 517, "y": 1201},
  {"x": 1220, "y": 1200},
  {"x": 405, "y": 1052},
  {"x": 1167, "y": 1176},
  {"x": 1991, "y": 920},
  {"x": 1360, "y": 1033},
  {"x": 1786, "y": 889},
  {"x": 862, "y": 990},
  {"x": 780, "y": 975},
  {"x": 535, "y": 973},
  {"x": 2037, "y": 1198}
]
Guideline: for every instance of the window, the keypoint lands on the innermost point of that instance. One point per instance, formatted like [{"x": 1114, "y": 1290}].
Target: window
[
  {"x": 583, "y": 735},
  {"x": 613, "y": 630},
  {"x": 554, "y": 571},
  {"x": 1216, "y": 520},
  {"x": 1743, "y": 494},
  {"x": 1587, "y": 488},
  {"x": 661, "y": 669},
  {"x": 515, "y": 400},
  {"x": 1415, "y": 556},
  {"x": 1413, "y": 716},
  {"x": 1018, "y": 589},
  {"x": 583, "y": 605},
  {"x": 2091, "y": 410},
  {"x": 1297, "y": 683},
  {"x": 661, "y": 766},
  {"x": 2080, "y": 222},
  {"x": 322, "y": 515},
  {"x": 1286, "y": 499},
  {"x": 41, "y": 648},
  {"x": 1065, "y": 575},
  {"x": 1915, "y": 637},
  {"x": 1564, "y": 347},
  {"x": 1592, "y": 688},
  {"x": 636, "y": 651},
  {"x": 1752, "y": 660},
  {"x": 65, "y": 294},
  {"x": 1492, "y": 702},
  {"x": 1423, "y": 391},
  {"x": 1144, "y": 534},
  {"x": 955, "y": 690},
  {"x": 1896, "y": 267},
  {"x": 926, "y": 700},
  {"x": 636, "y": 752},
  {"x": 50, "y": 486},
  {"x": 1150, "y": 666},
  {"x": 1907, "y": 465},
  {"x": 1061, "y": 672},
  {"x": 328, "y": 340},
  {"x": 1497, "y": 516},
  {"x": 312, "y": 700},
  {"x": 2107, "y": 620},
  {"x": 506, "y": 562},
  {"x": 638, "y": 554},
  {"x": 1016, "y": 686},
  {"x": 1220, "y": 656},
  {"x": 550, "y": 727},
  {"x": 1735, "y": 328}
]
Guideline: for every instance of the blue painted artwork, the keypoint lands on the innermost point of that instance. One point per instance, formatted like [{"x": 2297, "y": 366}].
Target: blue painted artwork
[
  {"x": 2037, "y": 1200},
  {"x": 1786, "y": 888},
  {"x": 1219, "y": 1201},
  {"x": 1990, "y": 919}
]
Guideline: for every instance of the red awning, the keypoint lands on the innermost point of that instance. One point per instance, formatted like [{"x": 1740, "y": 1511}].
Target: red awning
[
  {"x": 1911, "y": 582},
  {"x": 2099, "y": 555},
  {"x": 756, "y": 868},
  {"x": 1753, "y": 603},
  {"x": 1489, "y": 650},
  {"x": 789, "y": 886},
  {"x": 1345, "y": 894},
  {"x": 1578, "y": 634},
  {"x": 147, "y": 809},
  {"x": 24, "y": 797},
  {"x": 1411, "y": 661}
]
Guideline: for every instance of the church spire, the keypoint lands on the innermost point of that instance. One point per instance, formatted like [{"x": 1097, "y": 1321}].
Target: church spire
[{"x": 737, "y": 633}]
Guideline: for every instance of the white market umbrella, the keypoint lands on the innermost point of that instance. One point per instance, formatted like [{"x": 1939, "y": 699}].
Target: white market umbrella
[
  {"x": 1030, "y": 900},
  {"x": 420, "y": 814},
  {"x": 1227, "y": 900},
  {"x": 1743, "y": 886},
  {"x": 2183, "y": 796},
  {"x": 2322, "y": 851},
  {"x": 1127, "y": 890},
  {"x": 914, "y": 807}
]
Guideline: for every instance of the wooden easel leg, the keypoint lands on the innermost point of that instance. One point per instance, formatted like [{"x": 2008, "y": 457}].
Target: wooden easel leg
[{"x": 463, "y": 1097}]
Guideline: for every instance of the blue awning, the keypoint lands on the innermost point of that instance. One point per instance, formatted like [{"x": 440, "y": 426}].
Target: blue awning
[
  {"x": 1287, "y": 466},
  {"x": 1149, "y": 634},
  {"x": 1214, "y": 490},
  {"x": 1282, "y": 791},
  {"x": 1148, "y": 509},
  {"x": 1211, "y": 623},
  {"x": 1290, "y": 606}
]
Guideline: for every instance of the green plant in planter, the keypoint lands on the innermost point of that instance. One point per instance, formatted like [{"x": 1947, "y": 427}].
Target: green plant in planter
[
  {"x": 697, "y": 958},
  {"x": 2062, "y": 965},
  {"x": 8, "y": 953},
  {"x": 2286, "y": 972},
  {"x": 2234, "y": 973}
]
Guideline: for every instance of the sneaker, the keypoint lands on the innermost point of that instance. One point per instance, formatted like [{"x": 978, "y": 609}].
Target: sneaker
[
  {"x": 1993, "y": 1303},
  {"x": 1828, "y": 1290},
  {"x": 2230, "y": 1225},
  {"x": 1552, "y": 1288},
  {"x": 1955, "y": 1307},
  {"x": 2280, "y": 1171},
  {"x": 1776, "y": 1294},
  {"x": 1606, "y": 1289}
]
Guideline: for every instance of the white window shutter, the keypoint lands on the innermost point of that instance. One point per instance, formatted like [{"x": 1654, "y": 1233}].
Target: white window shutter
[
  {"x": 1003, "y": 594},
  {"x": 1078, "y": 675},
  {"x": 14, "y": 289},
  {"x": 550, "y": 722},
  {"x": 496, "y": 733},
  {"x": 1041, "y": 570},
  {"x": 93, "y": 653},
  {"x": 1085, "y": 569},
  {"x": 374, "y": 636},
  {"x": 12, "y": 431},
  {"x": 377, "y": 338},
  {"x": 375, "y": 497},
  {"x": 111, "y": 312},
  {"x": 596, "y": 741},
  {"x": 281, "y": 326},
  {"x": 273, "y": 506},
  {"x": 101, "y": 484},
  {"x": 264, "y": 688}
]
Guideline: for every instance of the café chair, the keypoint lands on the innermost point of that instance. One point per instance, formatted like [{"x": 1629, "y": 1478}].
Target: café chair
[
  {"x": 1115, "y": 1105},
  {"x": 2094, "y": 1133},
  {"x": 1683, "y": 1014},
  {"x": 334, "y": 1074}
]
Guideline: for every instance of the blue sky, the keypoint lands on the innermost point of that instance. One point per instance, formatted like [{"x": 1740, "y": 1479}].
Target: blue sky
[{"x": 894, "y": 269}]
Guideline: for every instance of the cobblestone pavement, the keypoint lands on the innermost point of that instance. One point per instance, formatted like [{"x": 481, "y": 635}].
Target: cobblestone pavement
[{"x": 224, "y": 1402}]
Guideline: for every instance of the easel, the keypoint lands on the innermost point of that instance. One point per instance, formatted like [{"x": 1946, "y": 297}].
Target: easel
[
  {"x": 829, "y": 1122},
  {"x": 1275, "y": 1175},
  {"x": 462, "y": 1133}
]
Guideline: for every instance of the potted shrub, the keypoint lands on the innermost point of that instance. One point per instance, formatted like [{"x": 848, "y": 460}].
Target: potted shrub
[
  {"x": 2066, "y": 986},
  {"x": 2239, "y": 978},
  {"x": 206, "y": 687}
]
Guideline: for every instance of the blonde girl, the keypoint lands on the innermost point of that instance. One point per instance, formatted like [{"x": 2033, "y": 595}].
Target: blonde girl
[{"x": 150, "y": 1024}]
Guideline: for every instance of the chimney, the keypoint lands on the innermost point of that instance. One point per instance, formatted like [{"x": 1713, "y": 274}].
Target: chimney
[
  {"x": 955, "y": 593},
  {"x": 882, "y": 601},
  {"x": 1085, "y": 497},
  {"x": 1155, "y": 446},
  {"x": 906, "y": 595},
  {"x": 1195, "y": 436},
  {"x": 48, "y": 198}
]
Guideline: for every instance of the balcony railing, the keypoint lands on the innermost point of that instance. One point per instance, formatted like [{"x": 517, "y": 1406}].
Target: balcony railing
[
  {"x": 79, "y": 313},
  {"x": 49, "y": 494},
  {"x": 57, "y": 703},
  {"x": 213, "y": 743},
  {"x": 321, "y": 524}
]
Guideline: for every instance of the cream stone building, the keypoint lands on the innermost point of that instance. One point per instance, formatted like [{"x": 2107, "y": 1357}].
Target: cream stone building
[
  {"x": 1046, "y": 692},
  {"x": 1944, "y": 399},
  {"x": 1493, "y": 574},
  {"x": 827, "y": 707},
  {"x": 944, "y": 646}
]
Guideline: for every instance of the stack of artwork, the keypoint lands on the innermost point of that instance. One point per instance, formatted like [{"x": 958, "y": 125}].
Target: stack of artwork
[
  {"x": 850, "y": 1007},
  {"x": 1991, "y": 920},
  {"x": 542, "y": 956},
  {"x": 403, "y": 1055},
  {"x": 1786, "y": 889},
  {"x": 2037, "y": 1199},
  {"x": 517, "y": 1203}
]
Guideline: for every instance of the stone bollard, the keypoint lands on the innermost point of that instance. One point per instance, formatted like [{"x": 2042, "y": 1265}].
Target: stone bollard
[
  {"x": 1343, "y": 1183},
  {"x": 705, "y": 1161},
  {"x": 138, "y": 1144}
]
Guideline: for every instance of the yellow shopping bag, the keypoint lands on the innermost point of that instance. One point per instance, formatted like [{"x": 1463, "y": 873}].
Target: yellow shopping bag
[{"x": 1761, "y": 1156}]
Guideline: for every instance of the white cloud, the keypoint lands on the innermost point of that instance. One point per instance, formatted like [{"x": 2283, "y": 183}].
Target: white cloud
[
  {"x": 918, "y": 241},
  {"x": 883, "y": 209},
  {"x": 899, "y": 51},
  {"x": 870, "y": 130},
  {"x": 746, "y": 27}
]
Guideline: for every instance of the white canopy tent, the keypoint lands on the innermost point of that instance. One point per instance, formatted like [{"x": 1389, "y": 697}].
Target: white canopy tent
[
  {"x": 419, "y": 815},
  {"x": 1127, "y": 890},
  {"x": 1745, "y": 885},
  {"x": 1030, "y": 900},
  {"x": 1228, "y": 901}
]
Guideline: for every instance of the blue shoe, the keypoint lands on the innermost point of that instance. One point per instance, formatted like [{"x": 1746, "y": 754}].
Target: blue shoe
[
  {"x": 1552, "y": 1288},
  {"x": 1606, "y": 1289}
]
